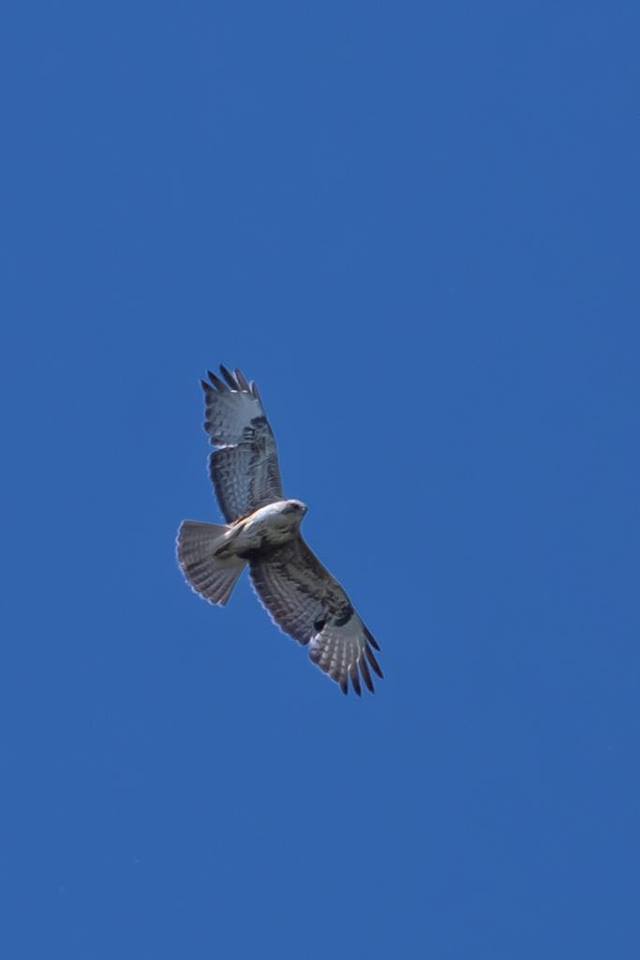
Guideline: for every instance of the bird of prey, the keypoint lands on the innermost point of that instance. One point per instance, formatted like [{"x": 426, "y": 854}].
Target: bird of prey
[{"x": 263, "y": 532}]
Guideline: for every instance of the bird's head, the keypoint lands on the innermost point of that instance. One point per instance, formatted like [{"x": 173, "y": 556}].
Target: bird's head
[{"x": 296, "y": 508}]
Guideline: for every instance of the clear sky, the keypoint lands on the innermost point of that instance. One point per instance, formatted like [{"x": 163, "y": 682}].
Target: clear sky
[{"x": 416, "y": 226}]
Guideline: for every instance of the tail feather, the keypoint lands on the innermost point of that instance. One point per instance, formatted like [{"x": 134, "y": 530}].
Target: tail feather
[{"x": 212, "y": 577}]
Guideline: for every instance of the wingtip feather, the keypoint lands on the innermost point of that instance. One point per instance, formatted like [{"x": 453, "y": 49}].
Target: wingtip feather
[
  {"x": 371, "y": 638},
  {"x": 217, "y": 382},
  {"x": 242, "y": 380},
  {"x": 229, "y": 377},
  {"x": 253, "y": 386},
  {"x": 366, "y": 676},
  {"x": 374, "y": 663},
  {"x": 355, "y": 679}
]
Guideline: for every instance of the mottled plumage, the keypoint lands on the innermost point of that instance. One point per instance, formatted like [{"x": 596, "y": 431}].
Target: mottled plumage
[
  {"x": 244, "y": 469},
  {"x": 263, "y": 531}
]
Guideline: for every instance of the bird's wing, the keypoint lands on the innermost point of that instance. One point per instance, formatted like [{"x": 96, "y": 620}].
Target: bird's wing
[
  {"x": 309, "y": 604},
  {"x": 244, "y": 470}
]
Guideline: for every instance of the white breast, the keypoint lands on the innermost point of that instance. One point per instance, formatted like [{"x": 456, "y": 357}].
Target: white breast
[{"x": 268, "y": 525}]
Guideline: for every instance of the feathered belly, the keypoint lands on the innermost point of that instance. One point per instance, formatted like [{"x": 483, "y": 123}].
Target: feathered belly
[{"x": 260, "y": 533}]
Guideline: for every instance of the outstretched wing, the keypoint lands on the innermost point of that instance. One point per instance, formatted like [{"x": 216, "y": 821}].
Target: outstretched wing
[
  {"x": 244, "y": 469},
  {"x": 311, "y": 606}
]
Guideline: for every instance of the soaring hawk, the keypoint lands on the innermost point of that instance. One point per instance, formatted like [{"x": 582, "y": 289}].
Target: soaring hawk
[{"x": 263, "y": 532}]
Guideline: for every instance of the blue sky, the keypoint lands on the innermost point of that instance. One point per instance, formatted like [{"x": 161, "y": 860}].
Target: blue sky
[{"x": 416, "y": 226}]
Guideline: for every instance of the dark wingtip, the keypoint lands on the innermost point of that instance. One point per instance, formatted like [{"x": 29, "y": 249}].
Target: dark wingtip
[
  {"x": 374, "y": 663},
  {"x": 344, "y": 686},
  {"x": 216, "y": 381},
  {"x": 366, "y": 676},
  {"x": 355, "y": 679},
  {"x": 253, "y": 386},
  {"x": 229, "y": 377},
  {"x": 242, "y": 380},
  {"x": 371, "y": 638}
]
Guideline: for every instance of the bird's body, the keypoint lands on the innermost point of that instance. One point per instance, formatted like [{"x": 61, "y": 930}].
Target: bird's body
[
  {"x": 256, "y": 536},
  {"x": 263, "y": 532}
]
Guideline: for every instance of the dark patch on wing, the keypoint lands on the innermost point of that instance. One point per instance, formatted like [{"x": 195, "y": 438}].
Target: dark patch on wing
[{"x": 344, "y": 615}]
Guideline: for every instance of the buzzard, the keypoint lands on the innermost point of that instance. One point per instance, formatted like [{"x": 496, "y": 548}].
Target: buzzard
[{"x": 263, "y": 533}]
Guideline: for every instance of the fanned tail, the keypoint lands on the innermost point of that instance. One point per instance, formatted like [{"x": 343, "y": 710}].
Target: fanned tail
[{"x": 212, "y": 577}]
